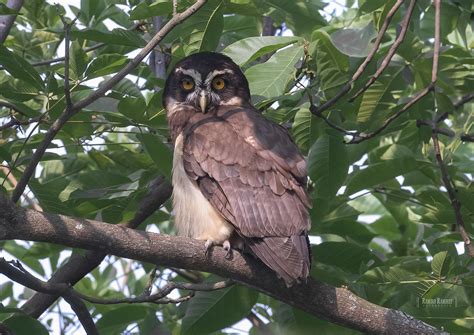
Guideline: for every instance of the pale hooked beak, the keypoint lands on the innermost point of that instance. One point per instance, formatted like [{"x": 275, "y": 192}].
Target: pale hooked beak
[{"x": 203, "y": 102}]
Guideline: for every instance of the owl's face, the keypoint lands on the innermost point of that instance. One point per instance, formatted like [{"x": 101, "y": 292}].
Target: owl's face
[{"x": 205, "y": 81}]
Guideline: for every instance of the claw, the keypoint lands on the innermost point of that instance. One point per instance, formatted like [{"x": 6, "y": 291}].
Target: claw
[
  {"x": 208, "y": 245},
  {"x": 227, "y": 248}
]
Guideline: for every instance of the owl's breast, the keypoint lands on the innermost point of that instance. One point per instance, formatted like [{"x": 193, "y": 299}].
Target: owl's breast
[{"x": 195, "y": 217}]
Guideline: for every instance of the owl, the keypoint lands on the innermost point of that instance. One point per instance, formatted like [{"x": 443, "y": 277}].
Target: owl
[{"x": 238, "y": 179}]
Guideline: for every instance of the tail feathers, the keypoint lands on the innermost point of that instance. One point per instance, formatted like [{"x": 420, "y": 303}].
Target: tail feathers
[{"x": 289, "y": 257}]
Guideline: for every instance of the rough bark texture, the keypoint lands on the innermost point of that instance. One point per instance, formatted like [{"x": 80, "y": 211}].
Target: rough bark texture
[
  {"x": 337, "y": 305},
  {"x": 79, "y": 265}
]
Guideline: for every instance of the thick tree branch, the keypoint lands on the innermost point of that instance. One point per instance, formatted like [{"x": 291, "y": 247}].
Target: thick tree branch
[
  {"x": 76, "y": 107},
  {"x": 6, "y": 21},
  {"x": 79, "y": 265},
  {"x": 337, "y": 305}
]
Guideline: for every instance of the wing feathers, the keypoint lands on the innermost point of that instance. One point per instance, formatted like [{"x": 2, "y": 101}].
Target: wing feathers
[{"x": 252, "y": 173}]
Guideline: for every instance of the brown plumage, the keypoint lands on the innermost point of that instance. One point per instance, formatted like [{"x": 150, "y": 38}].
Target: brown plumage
[{"x": 245, "y": 166}]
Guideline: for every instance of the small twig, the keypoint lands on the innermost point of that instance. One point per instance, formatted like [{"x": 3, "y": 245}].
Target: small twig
[
  {"x": 15, "y": 122},
  {"x": 465, "y": 99},
  {"x": 67, "y": 40},
  {"x": 346, "y": 88},
  {"x": 151, "y": 280},
  {"x": 76, "y": 107},
  {"x": 435, "y": 128},
  {"x": 467, "y": 137},
  {"x": 391, "y": 52},
  {"x": 452, "y": 193},
  {"x": 175, "y": 7},
  {"x": 160, "y": 296},
  {"x": 259, "y": 324},
  {"x": 80, "y": 308},
  {"x": 360, "y": 137}
]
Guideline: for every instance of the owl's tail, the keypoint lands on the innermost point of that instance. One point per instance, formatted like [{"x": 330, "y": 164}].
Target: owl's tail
[{"x": 289, "y": 257}]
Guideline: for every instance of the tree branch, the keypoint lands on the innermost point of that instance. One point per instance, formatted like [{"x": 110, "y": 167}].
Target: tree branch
[
  {"x": 346, "y": 88},
  {"x": 391, "y": 52},
  {"x": 79, "y": 265},
  {"x": 337, "y": 305},
  {"x": 76, "y": 107},
  {"x": 6, "y": 21}
]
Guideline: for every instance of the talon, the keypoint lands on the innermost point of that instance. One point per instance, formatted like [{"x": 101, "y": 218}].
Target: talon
[
  {"x": 227, "y": 248},
  {"x": 208, "y": 245}
]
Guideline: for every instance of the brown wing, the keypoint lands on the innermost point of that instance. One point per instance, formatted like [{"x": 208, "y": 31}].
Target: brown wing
[{"x": 253, "y": 174}]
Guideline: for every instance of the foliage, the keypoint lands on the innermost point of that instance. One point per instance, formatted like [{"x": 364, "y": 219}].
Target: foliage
[{"x": 382, "y": 221}]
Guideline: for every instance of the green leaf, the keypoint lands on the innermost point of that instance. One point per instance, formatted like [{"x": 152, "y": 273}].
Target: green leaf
[
  {"x": 159, "y": 152},
  {"x": 203, "y": 30},
  {"x": 133, "y": 108},
  {"x": 379, "y": 97},
  {"x": 347, "y": 256},
  {"x": 332, "y": 65},
  {"x": 78, "y": 61},
  {"x": 270, "y": 79},
  {"x": 19, "y": 67},
  {"x": 25, "y": 325},
  {"x": 116, "y": 320},
  {"x": 248, "y": 49},
  {"x": 4, "y": 10},
  {"x": 378, "y": 173},
  {"x": 209, "y": 311},
  {"x": 157, "y": 8},
  {"x": 328, "y": 165},
  {"x": 303, "y": 129},
  {"x": 354, "y": 42},
  {"x": 104, "y": 65},
  {"x": 440, "y": 264},
  {"x": 117, "y": 36}
]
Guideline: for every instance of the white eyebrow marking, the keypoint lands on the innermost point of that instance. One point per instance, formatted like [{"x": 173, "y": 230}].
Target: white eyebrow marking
[
  {"x": 215, "y": 73},
  {"x": 192, "y": 73}
]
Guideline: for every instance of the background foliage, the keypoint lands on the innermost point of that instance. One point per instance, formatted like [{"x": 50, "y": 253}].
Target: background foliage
[{"x": 382, "y": 223}]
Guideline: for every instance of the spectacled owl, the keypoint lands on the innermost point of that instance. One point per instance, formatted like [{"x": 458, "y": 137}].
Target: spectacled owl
[{"x": 237, "y": 176}]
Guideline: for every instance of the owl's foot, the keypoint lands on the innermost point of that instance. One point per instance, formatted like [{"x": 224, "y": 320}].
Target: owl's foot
[
  {"x": 227, "y": 248},
  {"x": 226, "y": 245}
]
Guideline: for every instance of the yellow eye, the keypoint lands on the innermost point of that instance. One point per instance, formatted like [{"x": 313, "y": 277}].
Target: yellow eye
[
  {"x": 218, "y": 83},
  {"x": 187, "y": 84}
]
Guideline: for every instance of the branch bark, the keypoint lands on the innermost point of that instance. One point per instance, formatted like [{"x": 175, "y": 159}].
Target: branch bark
[
  {"x": 79, "y": 265},
  {"x": 337, "y": 305},
  {"x": 6, "y": 21}
]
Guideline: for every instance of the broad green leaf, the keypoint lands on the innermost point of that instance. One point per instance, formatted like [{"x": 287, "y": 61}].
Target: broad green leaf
[
  {"x": 303, "y": 129},
  {"x": 379, "y": 97},
  {"x": 78, "y": 61},
  {"x": 248, "y": 49},
  {"x": 157, "y": 8},
  {"x": 440, "y": 264},
  {"x": 209, "y": 311},
  {"x": 332, "y": 65},
  {"x": 116, "y": 36},
  {"x": 270, "y": 79},
  {"x": 19, "y": 68},
  {"x": 202, "y": 31},
  {"x": 354, "y": 42},
  {"x": 133, "y": 108},
  {"x": 25, "y": 325},
  {"x": 378, "y": 173},
  {"x": 116, "y": 320},
  {"x": 105, "y": 64},
  {"x": 159, "y": 152},
  {"x": 347, "y": 256},
  {"x": 328, "y": 165}
]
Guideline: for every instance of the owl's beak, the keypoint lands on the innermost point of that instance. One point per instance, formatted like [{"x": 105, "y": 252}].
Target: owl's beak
[{"x": 203, "y": 102}]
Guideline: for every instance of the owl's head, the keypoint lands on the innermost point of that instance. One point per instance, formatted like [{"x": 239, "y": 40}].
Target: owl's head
[{"x": 205, "y": 81}]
